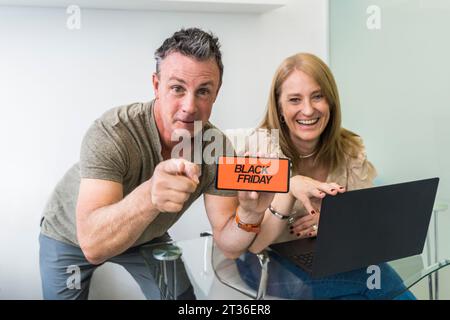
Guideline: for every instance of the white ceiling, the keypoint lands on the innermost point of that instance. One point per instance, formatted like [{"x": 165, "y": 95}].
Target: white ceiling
[{"x": 235, "y": 6}]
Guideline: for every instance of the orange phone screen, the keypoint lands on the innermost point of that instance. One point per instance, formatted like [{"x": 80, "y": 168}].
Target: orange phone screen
[{"x": 253, "y": 174}]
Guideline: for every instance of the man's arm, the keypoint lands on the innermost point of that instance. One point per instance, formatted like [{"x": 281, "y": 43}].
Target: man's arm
[
  {"x": 221, "y": 211},
  {"x": 107, "y": 223}
]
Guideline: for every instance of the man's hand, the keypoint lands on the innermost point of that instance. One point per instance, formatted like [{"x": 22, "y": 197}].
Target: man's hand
[
  {"x": 253, "y": 205},
  {"x": 172, "y": 183}
]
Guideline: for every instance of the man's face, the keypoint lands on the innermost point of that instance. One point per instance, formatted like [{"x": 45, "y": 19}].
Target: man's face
[{"x": 185, "y": 91}]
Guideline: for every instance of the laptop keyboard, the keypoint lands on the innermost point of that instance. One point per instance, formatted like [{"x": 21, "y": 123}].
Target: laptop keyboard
[{"x": 305, "y": 259}]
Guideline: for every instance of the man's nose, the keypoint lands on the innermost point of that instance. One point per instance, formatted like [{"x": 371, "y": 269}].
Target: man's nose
[{"x": 189, "y": 104}]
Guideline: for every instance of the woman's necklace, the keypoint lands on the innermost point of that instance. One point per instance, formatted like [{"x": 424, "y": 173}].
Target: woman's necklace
[{"x": 308, "y": 155}]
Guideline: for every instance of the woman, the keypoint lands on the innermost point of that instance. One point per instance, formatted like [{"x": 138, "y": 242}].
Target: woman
[{"x": 327, "y": 160}]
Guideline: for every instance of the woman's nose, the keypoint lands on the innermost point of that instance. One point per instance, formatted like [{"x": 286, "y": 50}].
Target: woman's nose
[{"x": 307, "y": 109}]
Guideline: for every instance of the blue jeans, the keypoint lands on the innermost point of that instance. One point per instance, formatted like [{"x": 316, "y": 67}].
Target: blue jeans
[
  {"x": 285, "y": 280},
  {"x": 59, "y": 263}
]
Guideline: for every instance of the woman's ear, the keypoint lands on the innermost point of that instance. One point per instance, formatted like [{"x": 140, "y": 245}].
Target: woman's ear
[{"x": 281, "y": 116}]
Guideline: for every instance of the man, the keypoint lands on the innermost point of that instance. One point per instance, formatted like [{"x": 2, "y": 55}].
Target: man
[{"x": 127, "y": 190}]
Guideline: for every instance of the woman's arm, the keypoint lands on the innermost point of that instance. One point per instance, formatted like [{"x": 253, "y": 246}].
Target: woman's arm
[
  {"x": 302, "y": 189},
  {"x": 271, "y": 226}
]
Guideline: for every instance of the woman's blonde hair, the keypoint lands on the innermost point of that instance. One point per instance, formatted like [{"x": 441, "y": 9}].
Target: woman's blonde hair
[{"x": 335, "y": 142}]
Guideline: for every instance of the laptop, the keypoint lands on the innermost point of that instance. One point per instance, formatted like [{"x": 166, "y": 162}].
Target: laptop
[{"x": 365, "y": 227}]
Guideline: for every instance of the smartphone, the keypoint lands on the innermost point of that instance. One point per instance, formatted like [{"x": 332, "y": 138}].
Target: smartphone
[{"x": 253, "y": 174}]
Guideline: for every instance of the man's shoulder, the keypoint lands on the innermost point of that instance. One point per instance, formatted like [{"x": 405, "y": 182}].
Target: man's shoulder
[
  {"x": 208, "y": 125},
  {"x": 125, "y": 113},
  {"x": 121, "y": 133},
  {"x": 210, "y": 130}
]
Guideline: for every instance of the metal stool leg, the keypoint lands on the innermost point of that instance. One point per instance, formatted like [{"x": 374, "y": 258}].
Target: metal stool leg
[
  {"x": 264, "y": 262},
  {"x": 166, "y": 280},
  {"x": 436, "y": 257},
  {"x": 174, "y": 281},
  {"x": 161, "y": 280},
  {"x": 439, "y": 207},
  {"x": 430, "y": 277},
  {"x": 164, "y": 253}
]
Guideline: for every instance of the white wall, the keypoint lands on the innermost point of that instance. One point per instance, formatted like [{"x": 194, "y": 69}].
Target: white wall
[
  {"x": 395, "y": 90},
  {"x": 54, "y": 82}
]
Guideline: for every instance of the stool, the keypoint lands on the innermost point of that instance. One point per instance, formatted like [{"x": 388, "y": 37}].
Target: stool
[
  {"x": 438, "y": 207},
  {"x": 165, "y": 253}
]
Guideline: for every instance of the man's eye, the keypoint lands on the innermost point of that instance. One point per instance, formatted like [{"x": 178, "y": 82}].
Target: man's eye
[
  {"x": 177, "y": 89},
  {"x": 203, "y": 92}
]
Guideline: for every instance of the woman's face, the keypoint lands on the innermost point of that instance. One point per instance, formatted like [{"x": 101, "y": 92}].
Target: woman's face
[{"x": 304, "y": 108}]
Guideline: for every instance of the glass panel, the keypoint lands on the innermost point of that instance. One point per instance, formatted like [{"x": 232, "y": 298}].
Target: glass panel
[{"x": 287, "y": 281}]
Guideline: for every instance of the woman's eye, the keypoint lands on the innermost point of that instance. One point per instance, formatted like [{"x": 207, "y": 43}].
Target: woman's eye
[
  {"x": 318, "y": 97},
  {"x": 294, "y": 100}
]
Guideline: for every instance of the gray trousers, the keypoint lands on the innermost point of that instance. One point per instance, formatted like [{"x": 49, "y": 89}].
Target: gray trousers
[{"x": 66, "y": 274}]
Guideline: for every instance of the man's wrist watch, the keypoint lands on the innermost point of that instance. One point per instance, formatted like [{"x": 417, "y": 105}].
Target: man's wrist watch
[{"x": 255, "y": 228}]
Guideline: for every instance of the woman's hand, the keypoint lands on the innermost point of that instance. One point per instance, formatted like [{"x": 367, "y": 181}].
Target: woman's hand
[
  {"x": 306, "y": 226},
  {"x": 304, "y": 189},
  {"x": 310, "y": 193}
]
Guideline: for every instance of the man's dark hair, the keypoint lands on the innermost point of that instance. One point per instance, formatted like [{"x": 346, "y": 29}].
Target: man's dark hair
[{"x": 191, "y": 42}]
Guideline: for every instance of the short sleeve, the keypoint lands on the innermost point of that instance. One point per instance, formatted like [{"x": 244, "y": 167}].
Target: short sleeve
[
  {"x": 103, "y": 154},
  {"x": 361, "y": 172},
  {"x": 211, "y": 188}
]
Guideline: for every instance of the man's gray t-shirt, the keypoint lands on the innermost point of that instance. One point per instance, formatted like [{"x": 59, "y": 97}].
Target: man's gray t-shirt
[{"x": 123, "y": 146}]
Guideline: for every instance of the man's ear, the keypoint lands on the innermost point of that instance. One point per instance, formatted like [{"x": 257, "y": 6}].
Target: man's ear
[{"x": 155, "y": 81}]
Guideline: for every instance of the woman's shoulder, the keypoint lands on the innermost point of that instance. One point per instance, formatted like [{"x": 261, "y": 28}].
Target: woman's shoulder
[
  {"x": 256, "y": 140},
  {"x": 359, "y": 168},
  {"x": 358, "y": 155}
]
